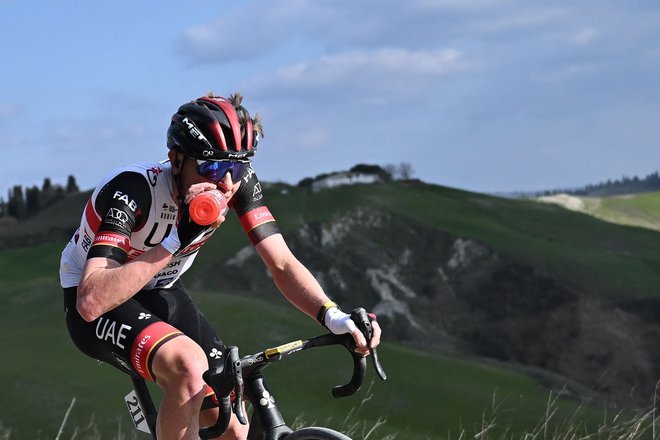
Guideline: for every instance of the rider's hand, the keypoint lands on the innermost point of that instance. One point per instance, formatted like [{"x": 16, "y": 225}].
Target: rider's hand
[{"x": 339, "y": 323}]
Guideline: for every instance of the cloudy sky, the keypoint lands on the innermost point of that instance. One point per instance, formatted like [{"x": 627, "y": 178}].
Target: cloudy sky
[{"x": 484, "y": 95}]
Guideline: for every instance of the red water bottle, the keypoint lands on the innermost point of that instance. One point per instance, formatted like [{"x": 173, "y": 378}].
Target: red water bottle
[{"x": 205, "y": 208}]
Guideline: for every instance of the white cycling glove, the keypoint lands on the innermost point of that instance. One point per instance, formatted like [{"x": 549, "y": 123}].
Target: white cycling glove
[{"x": 335, "y": 320}]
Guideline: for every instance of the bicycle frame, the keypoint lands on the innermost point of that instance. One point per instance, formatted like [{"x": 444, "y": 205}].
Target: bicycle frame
[{"x": 245, "y": 376}]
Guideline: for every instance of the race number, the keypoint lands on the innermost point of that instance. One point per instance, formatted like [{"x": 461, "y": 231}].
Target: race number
[{"x": 136, "y": 412}]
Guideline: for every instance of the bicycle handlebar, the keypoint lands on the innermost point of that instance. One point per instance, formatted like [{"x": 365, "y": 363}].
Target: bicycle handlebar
[{"x": 229, "y": 376}]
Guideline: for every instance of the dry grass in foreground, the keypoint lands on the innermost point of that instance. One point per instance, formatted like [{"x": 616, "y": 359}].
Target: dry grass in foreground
[{"x": 640, "y": 426}]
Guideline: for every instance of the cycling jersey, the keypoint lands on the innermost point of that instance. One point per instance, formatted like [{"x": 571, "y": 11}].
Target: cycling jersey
[
  {"x": 131, "y": 211},
  {"x": 134, "y": 209}
]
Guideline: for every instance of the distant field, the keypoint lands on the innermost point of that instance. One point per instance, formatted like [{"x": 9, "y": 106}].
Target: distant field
[
  {"x": 427, "y": 395},
  {"x": 642, "y": 210}
]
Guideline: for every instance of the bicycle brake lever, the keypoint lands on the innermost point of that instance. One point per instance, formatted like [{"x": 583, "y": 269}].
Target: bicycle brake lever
[
  {"x": 237, "y": 375},
  {"x": 363, "y": 321}
]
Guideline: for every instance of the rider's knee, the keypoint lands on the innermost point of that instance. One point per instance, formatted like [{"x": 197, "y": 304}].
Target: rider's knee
[{"x": 179, "y": 365}]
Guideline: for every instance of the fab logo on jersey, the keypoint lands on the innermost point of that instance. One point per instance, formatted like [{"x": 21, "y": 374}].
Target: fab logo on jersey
[{"x": 124, "y": 198}]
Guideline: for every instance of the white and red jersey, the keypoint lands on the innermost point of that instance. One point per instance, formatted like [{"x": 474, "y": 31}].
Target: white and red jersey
[{"x": 134, "y": 208}]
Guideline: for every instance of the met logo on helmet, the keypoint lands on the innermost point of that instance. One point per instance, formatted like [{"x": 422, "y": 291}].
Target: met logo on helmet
[{"x": 194, "y": 131}]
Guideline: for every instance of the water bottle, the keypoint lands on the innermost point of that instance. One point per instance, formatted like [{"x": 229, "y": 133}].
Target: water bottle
[{"x": 205, "y": 208}]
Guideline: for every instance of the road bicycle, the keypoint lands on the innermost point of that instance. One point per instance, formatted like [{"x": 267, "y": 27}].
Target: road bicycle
[{"x": 243, "y": 376}]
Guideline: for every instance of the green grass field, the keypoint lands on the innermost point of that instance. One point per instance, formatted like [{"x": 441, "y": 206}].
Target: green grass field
[{"x": 426, "y": 396}]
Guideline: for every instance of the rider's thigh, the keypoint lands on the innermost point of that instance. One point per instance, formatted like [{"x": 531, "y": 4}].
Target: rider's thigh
[{"x": 179, "y": 364}]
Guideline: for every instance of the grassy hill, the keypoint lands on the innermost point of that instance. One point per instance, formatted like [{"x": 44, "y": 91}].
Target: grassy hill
[
  {"x": 578, "y": 250},
  {"x": 642, "y": 210},
  {"x": 429, "y": 394}
]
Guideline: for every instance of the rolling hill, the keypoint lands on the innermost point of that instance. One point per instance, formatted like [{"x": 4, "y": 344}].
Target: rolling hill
[
  {"x": 641, "y": 209},
  {"x": 480, "y": 296}
]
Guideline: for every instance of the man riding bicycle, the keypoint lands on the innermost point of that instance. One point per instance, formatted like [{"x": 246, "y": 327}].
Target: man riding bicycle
[{"x": 124, "y": 302}]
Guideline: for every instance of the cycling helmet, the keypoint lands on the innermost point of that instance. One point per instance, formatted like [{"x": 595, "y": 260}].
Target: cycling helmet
[{"x": 214, "y": 128}]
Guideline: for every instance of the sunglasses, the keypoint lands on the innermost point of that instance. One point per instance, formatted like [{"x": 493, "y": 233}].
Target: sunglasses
[{"x": 215, "y": 170}]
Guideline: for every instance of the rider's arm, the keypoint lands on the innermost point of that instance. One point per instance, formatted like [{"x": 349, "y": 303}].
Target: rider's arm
[
  {"x": 109, "y": 278},
  {"x": 300, "y": 287},
  {"x": 291, "y": 277},
  {"x": 106, "y": 283}
]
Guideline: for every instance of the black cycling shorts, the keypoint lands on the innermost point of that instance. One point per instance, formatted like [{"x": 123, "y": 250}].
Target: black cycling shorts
[{"x": 128, "y": 336}]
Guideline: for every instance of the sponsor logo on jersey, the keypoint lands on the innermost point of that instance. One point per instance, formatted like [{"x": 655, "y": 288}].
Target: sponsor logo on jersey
[
  {"x": 168, "y": 208},
  {"x": 248, "y": 174},
  {"x": 116, "y": 217},
  {"x": 152, "y": 175},
  {"x": 108, "y": 330},
  {"x": 124, "y": 365},
  {"x": 86, "y": 242},
  {"x": 112, "y": 239},
  {"x": 256, "y": 193},
  {"x": 124, "y": 198},
  {"x": 256, "y": 217}
]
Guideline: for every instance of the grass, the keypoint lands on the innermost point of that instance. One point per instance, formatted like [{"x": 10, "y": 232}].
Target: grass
[
  {"x": 495, "y": 424},
  {"x": 425, "y": 395},
  {"x": 428, "y": 395}
]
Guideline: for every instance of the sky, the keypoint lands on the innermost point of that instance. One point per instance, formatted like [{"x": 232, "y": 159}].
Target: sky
[{"x": 490, "y": 96}]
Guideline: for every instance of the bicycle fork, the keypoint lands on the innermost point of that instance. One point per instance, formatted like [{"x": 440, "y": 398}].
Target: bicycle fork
[{"x": 267, "y": 422}]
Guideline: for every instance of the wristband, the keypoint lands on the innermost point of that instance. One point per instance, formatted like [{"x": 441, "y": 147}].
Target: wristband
[{"x": 320, "y": 316}]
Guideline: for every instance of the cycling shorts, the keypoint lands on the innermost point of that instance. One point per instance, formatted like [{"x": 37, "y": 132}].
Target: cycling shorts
[{"x": 128, "y": 336}]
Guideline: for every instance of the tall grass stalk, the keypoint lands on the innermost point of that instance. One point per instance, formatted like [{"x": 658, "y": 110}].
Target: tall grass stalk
[
  {"x": 622, "y": 426},
  {"x": 66, "y": 416}
]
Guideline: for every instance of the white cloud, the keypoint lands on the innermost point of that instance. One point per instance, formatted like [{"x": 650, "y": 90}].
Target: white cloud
[
  {"x": 390, "y": 69},
  {"x": 244, "y": 33}
]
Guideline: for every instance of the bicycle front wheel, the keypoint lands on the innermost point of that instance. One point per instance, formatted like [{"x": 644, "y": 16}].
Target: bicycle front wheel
[{"x": 315, "y": 433}]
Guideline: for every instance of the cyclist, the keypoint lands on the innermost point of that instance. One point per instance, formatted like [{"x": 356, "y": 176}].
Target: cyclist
[{"x": 124, "y": 302}]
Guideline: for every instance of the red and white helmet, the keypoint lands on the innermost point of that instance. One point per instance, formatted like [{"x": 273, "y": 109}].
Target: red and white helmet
[{"x": 214, "y": 128}]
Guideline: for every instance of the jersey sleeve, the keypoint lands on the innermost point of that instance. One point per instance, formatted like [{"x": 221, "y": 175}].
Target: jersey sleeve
[
  {"x": 123, "y": 205},
  {"x": 255, "y": 217}
]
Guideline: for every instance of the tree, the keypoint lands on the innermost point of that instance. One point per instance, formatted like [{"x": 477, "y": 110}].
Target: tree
[
  {"x": 47, "y": 186},
  {"x": 372, "y": 169},
  {"x": 16, "y": 205},
  {"x": 32, "y": 200},
  {"x": 71, "y": 185},
  {"x": 405, "y": 170}
]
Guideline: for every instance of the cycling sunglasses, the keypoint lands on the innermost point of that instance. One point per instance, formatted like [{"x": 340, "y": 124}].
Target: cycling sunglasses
[{"x": 215, "y": 170}]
